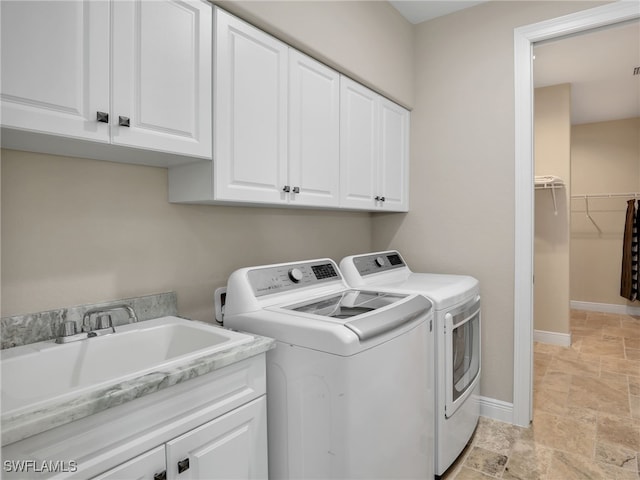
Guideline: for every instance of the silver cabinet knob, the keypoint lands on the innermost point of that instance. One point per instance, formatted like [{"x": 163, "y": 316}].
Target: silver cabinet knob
[
  {"x": 286, "y": 189},
  {"x": 123, "y": 121},
  {"x": 183, "y": 465},
  {"x": 102, "y": 117}
]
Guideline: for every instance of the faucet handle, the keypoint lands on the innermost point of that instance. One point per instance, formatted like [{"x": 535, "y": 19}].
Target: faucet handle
[
  {"x": 104, "y": 321},
  {"x": 68, "y": 328}
]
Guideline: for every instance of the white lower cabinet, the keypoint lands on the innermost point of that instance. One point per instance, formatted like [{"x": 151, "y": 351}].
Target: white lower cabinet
[
  {"x": 233, "y": 446},
  {"x": 149, "y": 465},
  {"x": 210, "y": 427}
]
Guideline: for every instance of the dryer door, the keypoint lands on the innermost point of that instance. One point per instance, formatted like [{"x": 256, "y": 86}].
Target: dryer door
[{"x": 462, "y": 349}]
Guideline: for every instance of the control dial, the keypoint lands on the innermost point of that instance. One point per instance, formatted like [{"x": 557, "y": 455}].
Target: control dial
[
  {"x": 295, "y": 274},
  {"x": 380, "y": 261}
]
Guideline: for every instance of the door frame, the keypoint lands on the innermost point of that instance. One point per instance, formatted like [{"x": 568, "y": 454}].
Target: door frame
[{"x": 524, "y": 38}]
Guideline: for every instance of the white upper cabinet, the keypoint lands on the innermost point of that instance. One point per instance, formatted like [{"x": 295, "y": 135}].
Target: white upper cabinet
[
  {"x": 358, "y": 139},
  {"x": 162, "y": 76},
  {"x": 55, "y": 67},
  {"x": 374, "y": 150},
  {"x": 133, "y": 73},
  {"x": 393, "y": 171},
  {"x": 250, "y": 97},
  {"x": 277, "y": 125},
  {"x": 314, "y": 132},
  {"x": 237, "y": 115}
]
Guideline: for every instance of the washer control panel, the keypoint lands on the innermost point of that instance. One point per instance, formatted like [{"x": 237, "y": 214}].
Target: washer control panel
[
  {"x": 378, "y": 262},
  {"x": 285, "y": 277}
]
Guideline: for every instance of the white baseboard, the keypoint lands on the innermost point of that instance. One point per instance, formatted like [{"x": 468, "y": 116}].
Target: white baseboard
[
  {"x": 496, "y": 409},
  {"x": 552, "y": 338},
  {"x": 605, "y": 307}
]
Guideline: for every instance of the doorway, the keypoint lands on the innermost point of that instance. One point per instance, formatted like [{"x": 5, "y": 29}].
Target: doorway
[{"x": 524, "y": 38}]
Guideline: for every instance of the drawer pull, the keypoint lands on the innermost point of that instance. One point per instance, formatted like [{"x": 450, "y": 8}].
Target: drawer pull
[{"x": 160, "y": 476}]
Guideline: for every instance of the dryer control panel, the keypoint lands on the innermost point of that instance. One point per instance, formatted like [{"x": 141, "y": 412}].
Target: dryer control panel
[
  {"x": 378, "y": 262},
  {"x": 285, "y": 277}
]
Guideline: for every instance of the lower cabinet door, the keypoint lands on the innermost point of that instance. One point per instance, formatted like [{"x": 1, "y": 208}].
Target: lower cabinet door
[
  {"x": 148, "y": 466},
  {"x": 233, "y": 446}
]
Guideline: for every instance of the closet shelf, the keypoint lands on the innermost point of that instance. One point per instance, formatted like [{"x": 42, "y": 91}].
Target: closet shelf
[{"x": 549, "y": 182}]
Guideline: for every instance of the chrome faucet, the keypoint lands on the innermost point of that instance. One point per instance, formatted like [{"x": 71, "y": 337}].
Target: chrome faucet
[
  {"x": 104, "y": 325},
  {"x": 103, "y": 319}
]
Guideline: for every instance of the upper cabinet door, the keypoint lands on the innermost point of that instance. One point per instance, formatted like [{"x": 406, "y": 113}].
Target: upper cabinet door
[
  {"x": 394, "y": 156},
  {"x": 359, "y": 132},
  {"x": 250, "y": 97},
  {"x": 54, "y": 75},
  {"x": 161, "y": 77},
  {"x": 314, "y": 132}
]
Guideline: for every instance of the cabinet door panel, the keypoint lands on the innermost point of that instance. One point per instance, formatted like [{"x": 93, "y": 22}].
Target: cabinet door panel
[
  {"x": 358, "y": 145},
  {"x": 142, "y": 467},
  {"x": 233, "y": 446},
  {"x": 250, "y": 114},
  {"x": 162, "y": 75},
  {"x": 314, "y": 131},
  {"x": 394, "y": 156},
  {"x": 55, "y": 67}
]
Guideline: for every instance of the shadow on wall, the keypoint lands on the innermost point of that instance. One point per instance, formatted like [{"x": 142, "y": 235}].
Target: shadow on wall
[
  {"x": 551, "y": 221},
  {"x": 385, "y": 227}
]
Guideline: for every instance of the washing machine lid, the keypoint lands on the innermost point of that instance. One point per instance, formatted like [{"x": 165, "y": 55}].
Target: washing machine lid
[
  {"x": 346, "y": 304},
  {"x": 353, "y": 309}
]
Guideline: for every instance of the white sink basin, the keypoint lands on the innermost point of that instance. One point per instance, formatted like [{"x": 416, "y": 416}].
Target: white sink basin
[{"x": 44, "y": 372}]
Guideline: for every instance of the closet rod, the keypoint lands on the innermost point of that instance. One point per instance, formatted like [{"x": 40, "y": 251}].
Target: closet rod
[{"x": 608, "y": 195}]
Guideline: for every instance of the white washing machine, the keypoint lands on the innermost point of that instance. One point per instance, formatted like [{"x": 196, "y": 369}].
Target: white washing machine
[
  {"x": 456, "y": 301},
  {"x": 345, "y": 383}
]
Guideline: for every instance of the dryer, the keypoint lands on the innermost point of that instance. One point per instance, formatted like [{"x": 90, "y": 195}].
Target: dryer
[
  {"x": 456, "y": 301},
  {"x": 345, "y": 383}
]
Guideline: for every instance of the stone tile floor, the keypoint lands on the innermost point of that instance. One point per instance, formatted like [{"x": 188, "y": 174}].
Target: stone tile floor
[{"x": 586, "y": 420}]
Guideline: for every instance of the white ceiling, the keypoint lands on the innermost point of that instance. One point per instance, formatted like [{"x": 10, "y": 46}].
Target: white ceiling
[
  {"x": 598, "y": 64},
  {"x": 418, "y": 11}
]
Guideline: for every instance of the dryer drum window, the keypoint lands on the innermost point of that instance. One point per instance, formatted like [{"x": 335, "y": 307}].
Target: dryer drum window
[{"x": 465, "y": 356}]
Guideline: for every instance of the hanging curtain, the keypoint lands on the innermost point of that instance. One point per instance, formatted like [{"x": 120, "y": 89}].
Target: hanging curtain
[{"x": 629, "y": 277}]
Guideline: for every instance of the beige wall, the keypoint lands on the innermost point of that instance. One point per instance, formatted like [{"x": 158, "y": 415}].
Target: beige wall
[
  {"x": 462, "y": 164},
  {"x": 81, "y": 231},
  {"x": 605, "y": 158},
  {"x": 552, "y": 134}
]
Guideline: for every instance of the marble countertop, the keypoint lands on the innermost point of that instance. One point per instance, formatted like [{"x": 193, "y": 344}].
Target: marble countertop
[{"x": 25, "y": 423}]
